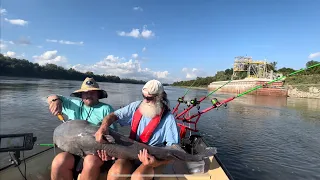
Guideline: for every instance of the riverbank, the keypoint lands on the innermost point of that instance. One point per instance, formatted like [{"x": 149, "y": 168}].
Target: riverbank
[
  {"x": 305, "y": 86},
  {"x": 309, "y": 91},
  {"x": 304, "y": 91}
]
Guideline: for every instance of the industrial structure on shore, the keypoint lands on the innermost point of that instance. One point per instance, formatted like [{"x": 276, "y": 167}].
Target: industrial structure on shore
[{"x": 255, "y": 73}]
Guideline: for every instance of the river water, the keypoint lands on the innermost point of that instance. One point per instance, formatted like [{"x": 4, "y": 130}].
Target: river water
[{"x": 256, "y": 137}]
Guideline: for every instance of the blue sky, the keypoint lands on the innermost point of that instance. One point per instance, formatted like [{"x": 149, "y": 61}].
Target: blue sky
[{"x": 165, "y": 40}]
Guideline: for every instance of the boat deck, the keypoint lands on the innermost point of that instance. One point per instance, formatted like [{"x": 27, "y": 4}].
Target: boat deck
[{"x": 177, "y": 171}]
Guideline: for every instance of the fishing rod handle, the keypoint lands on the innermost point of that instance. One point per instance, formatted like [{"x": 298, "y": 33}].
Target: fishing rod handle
[{"x": 60, "y": 117}]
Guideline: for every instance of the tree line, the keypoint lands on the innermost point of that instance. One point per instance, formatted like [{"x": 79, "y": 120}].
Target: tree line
[
  {"x": 24, "y": 68},
  {"x": 227, "y": 75}
]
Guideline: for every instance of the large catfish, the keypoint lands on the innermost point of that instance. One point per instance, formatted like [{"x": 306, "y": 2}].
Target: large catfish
[{"x": 77, "y": 137}]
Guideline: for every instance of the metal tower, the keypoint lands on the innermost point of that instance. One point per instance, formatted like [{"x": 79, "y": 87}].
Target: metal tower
[{"x": 254, "y": 69}]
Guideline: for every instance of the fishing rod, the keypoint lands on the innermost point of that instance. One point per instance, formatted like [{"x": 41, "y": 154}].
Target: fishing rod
[
  {"x": 50, "y": 145},
  {"x": 181, "y": 99},
  {"x": 194, "y": 102},
  {"x": 217, "y": 104}
]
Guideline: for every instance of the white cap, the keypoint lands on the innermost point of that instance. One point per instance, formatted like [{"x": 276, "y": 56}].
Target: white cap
[{"x": 153, "y": 87}]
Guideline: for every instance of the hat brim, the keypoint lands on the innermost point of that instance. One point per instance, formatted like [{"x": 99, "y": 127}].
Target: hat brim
[{"x": 77, "y": 93}]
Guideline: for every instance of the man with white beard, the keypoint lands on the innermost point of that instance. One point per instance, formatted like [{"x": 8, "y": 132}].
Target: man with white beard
[{"x": 151, "y": 123}]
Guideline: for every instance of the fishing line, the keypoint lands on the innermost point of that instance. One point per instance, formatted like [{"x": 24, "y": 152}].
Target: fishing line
[
  {"x": 195, "y": 102},
  {"x": 189, "y": 88},
  {"x": 279, "y": 78},
  {"x": 218, "y": 104},
  {"x": 181, "y": 99}
]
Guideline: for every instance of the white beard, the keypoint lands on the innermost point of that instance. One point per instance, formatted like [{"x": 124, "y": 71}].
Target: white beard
[{"x": 150, "y": 110}]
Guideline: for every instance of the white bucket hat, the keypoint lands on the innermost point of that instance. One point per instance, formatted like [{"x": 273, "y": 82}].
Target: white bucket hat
[{"x": 153, "y": 87}]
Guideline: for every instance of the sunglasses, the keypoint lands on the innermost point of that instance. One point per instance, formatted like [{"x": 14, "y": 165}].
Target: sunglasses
[{"x": 149, "y": 98}]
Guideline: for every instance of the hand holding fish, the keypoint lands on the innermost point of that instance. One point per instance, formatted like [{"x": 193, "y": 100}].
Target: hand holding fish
[
  {"x": 147, "y": 159},
  {"x": 104, "y": 156}
]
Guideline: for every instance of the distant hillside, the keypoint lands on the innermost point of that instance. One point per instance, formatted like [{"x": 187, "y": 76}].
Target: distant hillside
[{"x": 24, "y": 68}]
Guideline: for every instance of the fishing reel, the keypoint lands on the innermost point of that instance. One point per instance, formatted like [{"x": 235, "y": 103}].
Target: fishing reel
[
  {"x": 193, "y": 102},
  {"x": 216, "y": 103},
  {"x": 181, "y": 100}
]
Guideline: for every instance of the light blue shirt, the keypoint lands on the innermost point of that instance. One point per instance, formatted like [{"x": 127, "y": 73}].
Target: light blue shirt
[
  {"x": 166, "y": 131},
  {"x": 76, "y": 109}
]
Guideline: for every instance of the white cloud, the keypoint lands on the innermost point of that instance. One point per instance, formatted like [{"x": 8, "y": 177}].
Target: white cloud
[
  {"x": 10, "y": 54},
  {"x": 163, "y": 74},
  {"x": 112, "y": 65},
  {"x": 147, "y": 33},
  {"x": 3, "y": 46},
  {"x": 193, "y": 73},
  {"x": 50, "y": 57},
  {"x": 314, "y": 55},
  {"x": 6, "y": 42},
  {"x": 137, "y": 8},
  {"x": 19, "y": 22},
  {"x": 135, "y": 33},
  {"x": 20, "y": 41},
  {"x": 65, "y": 42},
  {"x": 3, "y": 11},
  {"x": 144, "y": 49},
  {"x": 134, "y": 56},
  {"x": 13, "y": 54}
]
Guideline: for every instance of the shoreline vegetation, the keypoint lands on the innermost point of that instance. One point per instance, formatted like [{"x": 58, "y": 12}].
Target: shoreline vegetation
[{"x": 14, "y": 67}]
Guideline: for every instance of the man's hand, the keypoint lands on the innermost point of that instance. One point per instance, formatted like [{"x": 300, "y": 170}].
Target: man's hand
[
  {"x": 100, "y": 134},
  {"x": 104, "y": 156},
  {"x": 55, "y": 107},
  {"x": 147, "y": 159}
]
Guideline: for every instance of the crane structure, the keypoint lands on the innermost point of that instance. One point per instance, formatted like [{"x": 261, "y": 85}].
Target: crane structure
[{"x": 254, "y": 69}]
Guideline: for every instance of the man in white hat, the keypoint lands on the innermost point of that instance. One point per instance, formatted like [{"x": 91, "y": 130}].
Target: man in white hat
[
  {"x": 90, "y": 109},
  {"x": 152, "y": 114}
]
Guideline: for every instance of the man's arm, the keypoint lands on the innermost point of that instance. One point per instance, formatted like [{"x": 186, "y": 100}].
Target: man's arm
[
  {"x": 107, "y": 121},
  {"x": 59, "y": 104},
  {"x": 124, "y": 115},
  {"x": 103, "y": 130}
]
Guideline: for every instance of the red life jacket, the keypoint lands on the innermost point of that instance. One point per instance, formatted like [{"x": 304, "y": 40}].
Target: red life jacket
[{"x": 148, "y": 130}]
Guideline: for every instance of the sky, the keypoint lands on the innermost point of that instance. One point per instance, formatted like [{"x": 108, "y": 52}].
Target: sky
[{"x": 168, "y": 40}]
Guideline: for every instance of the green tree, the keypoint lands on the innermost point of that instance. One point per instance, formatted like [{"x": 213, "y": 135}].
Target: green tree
[{"x": 315, "y": 70}]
